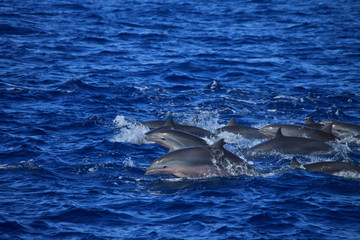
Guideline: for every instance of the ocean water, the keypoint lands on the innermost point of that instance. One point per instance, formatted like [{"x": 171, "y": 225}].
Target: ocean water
[{"x": 76, "y": 78}]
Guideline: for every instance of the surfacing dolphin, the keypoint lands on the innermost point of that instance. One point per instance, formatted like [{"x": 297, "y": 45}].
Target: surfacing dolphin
[
  {"x": 323, "y": 134},
  {"x": 290, "y": 145},
  {"x": 246, "y": 132},
  {"x": 170, "y": 124},
  {"x": 154, "y": 124},
  {"x": 344, "y": 130},
  {"x": 201, "y": 161},
  {"x": 334, "y": 168},
  {"x": 174, "y": 139}
]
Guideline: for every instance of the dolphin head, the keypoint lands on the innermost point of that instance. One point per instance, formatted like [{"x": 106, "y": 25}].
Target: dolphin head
[
  {"x": 186, "y": 162},
  {"x": 166, "y": 168},
  {"x": 157, "y": 135}
]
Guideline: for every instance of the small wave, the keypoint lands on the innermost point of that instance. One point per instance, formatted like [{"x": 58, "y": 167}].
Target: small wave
[
  {"x": 22, "y": 165},
  {"x": 96, "y": 40},
  {"x": 70, "y": 6},
  {"x": 14, "y": 30},
  {"x": 285, "y": 97}
]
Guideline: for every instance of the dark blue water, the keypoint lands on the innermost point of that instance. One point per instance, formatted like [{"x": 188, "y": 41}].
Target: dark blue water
[{"x": 76, "y": 77}]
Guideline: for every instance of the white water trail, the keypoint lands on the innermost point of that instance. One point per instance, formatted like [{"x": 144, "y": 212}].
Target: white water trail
[{"x": 129, "y": 130}]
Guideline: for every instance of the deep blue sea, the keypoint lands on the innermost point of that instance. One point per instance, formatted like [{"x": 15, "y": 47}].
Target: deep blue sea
[{"x": 76, "y": 78}]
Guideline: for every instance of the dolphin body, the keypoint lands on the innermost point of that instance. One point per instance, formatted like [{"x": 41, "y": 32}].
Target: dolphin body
[
  {"x": 201, "y": 161},
  {"x": 170, "y": 124},
  {"x": 334, "y": 168},
  {"x": 290, "y": 145},
  {"x": 344, "y": 130},
  {"x": 324, "y": 134},
  {"x": 154, "y": 124},
  {"x": 246, "y": 132},
  {"x": 174, "y": 139}
]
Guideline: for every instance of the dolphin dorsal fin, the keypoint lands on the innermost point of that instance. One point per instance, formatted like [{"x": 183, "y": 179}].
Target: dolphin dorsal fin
[
  {"x": 279, "y": 133},
  {"x": 327, "y": 128},
  {"x": 231, "y": 122},
  {"x": 295, "y": 163},
  {"x": 309, "y": 121},
  {"x": 169, "y": 123},
  {"x": 219, "y": 144}
]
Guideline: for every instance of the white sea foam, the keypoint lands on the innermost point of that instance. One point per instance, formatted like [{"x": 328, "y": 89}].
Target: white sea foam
[
  {"x": 129, "y": 130},
  {"x": 23, "y": 164},
  {"x": 128, "y": 162},
  {"x": 208, "y": 120},
  {"x": 348, "y": 174},
  {"x": 280, "y": 96}
]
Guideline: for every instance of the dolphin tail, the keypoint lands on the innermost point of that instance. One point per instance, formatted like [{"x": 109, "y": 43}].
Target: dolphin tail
[{"x": 295, "y": 163}]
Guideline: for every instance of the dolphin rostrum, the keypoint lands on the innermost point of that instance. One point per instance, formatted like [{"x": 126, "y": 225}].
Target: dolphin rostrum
[
  {"x": 201, "y": 161},
  {"x": 290, "y": 145},
  {"x": 174, "y": 139},
  {"x": 246, "y": 132},
  {"x": 334, "y": 168}
]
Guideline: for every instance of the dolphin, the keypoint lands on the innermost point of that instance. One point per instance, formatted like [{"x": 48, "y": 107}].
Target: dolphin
[
  {"x": 334, "y": 168},
  {"x": 174, "y": 139},
  {"x": 154, "y": 124},
  {"x": 323, "y": 134},
  {"x": 201, "y": 161},
  {"x": 343, "y": 130},
  {"x": 246, "y": 132},
  {"x": 170, "y": 124},
  {"x": 290, "y": 145}
]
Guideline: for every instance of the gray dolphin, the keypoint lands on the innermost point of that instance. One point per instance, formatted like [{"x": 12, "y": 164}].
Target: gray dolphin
[
  {"x": 170, "y": 124},
  {"x": 174, "y": 139},
  {"x": 334, "y": 168},
  {"x": 323, "y": 134},
  {"x": 290, "y": 145},
  {"x": 201, "y": 161},
  {"x": 246, "y": 132},
  {"x": 343, "y": 130},
  {"x": 154, "y": 124}
]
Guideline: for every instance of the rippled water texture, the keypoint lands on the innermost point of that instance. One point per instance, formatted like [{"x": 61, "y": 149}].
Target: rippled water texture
[{"x": 76, "y": 77}]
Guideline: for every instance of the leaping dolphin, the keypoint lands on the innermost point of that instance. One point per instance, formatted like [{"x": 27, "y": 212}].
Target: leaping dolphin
[
  {"x": 201, "y": 161},
  {"x": 246, "y": 132},
  {"x": 154, "y": 124},
  {"x": 170, "y": 124},
  {"x": 174, "y": 139},
  {"x": 290, "y": 145},
  {"x": 334, "y": 168}
]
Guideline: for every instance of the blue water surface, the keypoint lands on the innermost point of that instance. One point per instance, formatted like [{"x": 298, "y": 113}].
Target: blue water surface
[{"x": 76, "y": 78}]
